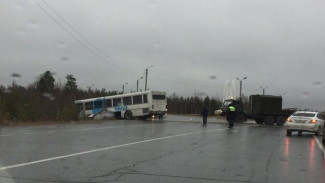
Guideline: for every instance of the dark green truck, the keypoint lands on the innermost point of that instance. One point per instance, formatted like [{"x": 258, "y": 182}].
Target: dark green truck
[{"x": 262, "y": 108}]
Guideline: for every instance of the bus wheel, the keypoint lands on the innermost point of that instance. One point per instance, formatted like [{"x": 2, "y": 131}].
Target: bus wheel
[{"x": 128, "y": 115}]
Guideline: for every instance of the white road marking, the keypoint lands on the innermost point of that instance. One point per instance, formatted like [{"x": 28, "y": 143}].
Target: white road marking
[
  {"x": 103, "y": 149},
  {"x": 320, "y": 145},
  {"x": 81, "y": 130},
  {"x": 6, "y": 135}
]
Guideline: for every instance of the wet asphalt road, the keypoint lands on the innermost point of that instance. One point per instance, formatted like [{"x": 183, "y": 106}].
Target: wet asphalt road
[{"x": 178, "y": 149}]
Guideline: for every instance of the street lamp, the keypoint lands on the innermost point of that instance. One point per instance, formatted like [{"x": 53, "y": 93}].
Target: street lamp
[
  {"x": 145, "y": 88},
  {"x": 138, "y": 83},
  {"x": 241, "y": 83},
  {"x": 263, "y": 88},
  {"x": 123, "y": 86}
]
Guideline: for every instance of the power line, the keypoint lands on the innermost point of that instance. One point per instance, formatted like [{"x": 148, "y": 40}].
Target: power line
[
  {"x": 73, "y": 29},
  {"x": 103, "y": 56},
  {"x": 69, "y": 33}
]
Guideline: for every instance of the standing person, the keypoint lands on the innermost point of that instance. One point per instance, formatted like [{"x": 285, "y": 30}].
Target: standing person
[
  {"x": 231, "y": 115},
  {"x": 205, "y": 113}
]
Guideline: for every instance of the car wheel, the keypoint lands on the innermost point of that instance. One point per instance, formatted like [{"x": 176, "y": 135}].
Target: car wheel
[
  {"x": 300, "y": 133},
  {"x": 318, "y": 131},
  {"x": 269, "y": 120},
  {"x": 289, "y": 132},
  {"x": 128, "y": 115}
]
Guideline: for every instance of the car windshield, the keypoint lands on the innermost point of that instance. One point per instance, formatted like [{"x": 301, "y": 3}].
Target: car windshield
[
  {"x": 304, "y": 114},
  {"x": 227, "y": 102}
]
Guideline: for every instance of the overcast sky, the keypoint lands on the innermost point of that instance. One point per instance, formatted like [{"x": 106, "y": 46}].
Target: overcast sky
[{"x": 275, "y": 43}]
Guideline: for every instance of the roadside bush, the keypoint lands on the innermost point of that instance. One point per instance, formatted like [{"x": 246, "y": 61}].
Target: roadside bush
[{"x": 69, "y": 113}]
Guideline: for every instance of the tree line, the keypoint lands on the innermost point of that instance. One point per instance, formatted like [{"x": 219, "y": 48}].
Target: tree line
[
  {"x": 192, "y": 105},
  {"x": 46, "y": 99}
]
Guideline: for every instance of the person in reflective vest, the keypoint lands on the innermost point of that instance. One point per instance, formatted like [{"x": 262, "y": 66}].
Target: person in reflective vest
[{"x": 231, "y": 115}]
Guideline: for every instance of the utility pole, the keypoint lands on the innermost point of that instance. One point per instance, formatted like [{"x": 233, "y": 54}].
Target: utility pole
[{"x": 145, "y": 88}]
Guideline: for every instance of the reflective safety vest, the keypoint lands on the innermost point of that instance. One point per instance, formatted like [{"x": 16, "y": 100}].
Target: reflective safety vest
[{"x": 232, "y": 108}]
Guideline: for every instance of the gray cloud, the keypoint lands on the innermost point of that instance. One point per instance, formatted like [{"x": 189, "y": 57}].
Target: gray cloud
[{"x": 274, "y": 43}]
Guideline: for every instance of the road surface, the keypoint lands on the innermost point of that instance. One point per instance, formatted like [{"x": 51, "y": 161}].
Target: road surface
[{"x": 177, "y": 149}]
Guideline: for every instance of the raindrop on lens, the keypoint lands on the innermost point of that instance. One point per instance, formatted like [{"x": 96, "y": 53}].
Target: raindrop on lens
[
  {"x": 65, "y": 59},
  {"x": 61, "y": 44},
  {"x": 305, "y": 94},
  {"x": 21, "y": 32},
  {"x": 317, "y": 84},
  {"x": 152, "y": 4},
  {"x": 33, "y": 24}
]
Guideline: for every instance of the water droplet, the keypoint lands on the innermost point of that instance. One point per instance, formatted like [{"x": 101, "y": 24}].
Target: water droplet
[
  {"x": 15, "y": 75},
  {"x": 8, "y": 90},
  {"x": 19, "y": 6},
  {"x": 51, "y": 98},
  {"x": 305, "y": 94},
  {"x": 65, "y": 59},
  {"x": 213, "y": 77},
  {"x": 61, "y": 44},
  {"x": 157, "y": 45},
  {"x": 47, "y": 94},
  {"x": 152, "y": 4},
  {"x": 317, "y": 84},
  {"x": 33, "y": 24},
  {"x": 21, "y": 32}
]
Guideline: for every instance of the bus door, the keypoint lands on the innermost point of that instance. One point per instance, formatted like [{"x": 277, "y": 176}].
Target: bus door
[{"x": 98, "y": 106}]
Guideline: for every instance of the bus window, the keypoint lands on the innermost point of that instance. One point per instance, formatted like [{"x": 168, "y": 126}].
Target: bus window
[
  {"x": 108, "y": 103},
  {"x": 137, "y": 99},
  {"x": 89, "y": 105},
  {"x": 158, "y": 97},
  {"x": 117, "y": 102},
  {"x": 127, "y": 101},
  {"x": 98, "y": 104},
  {"x": 145, "y": 98}
]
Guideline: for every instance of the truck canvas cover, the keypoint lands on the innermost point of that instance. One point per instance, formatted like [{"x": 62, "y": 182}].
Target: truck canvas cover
[{"x": 265, "y": 104}]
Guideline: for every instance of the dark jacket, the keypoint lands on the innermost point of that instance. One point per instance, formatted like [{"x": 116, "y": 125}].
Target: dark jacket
[
  {"x": 205, "y": 112},
  {"x": 230, "y": 115}
]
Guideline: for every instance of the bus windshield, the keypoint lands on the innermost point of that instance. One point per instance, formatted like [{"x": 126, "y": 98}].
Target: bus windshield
[{"x": 158, "y": 97}]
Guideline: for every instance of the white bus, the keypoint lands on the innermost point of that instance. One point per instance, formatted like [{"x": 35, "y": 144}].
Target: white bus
[{"x": 139, "y": 104}]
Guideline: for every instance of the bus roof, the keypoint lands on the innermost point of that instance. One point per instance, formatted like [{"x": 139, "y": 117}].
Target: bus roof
[{"x": 119, "y": 96}]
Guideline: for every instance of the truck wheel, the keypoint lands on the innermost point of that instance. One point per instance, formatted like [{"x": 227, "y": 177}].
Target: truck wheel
[
  {"x": 269, "y": 120},
  {"x": 259, "y": 121},
  {"x": 128, "y": 115},
  {"x": 289, "y": 132},
  {"x": 280, "y": 120},
  {"x": 240, "y": 118}
]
